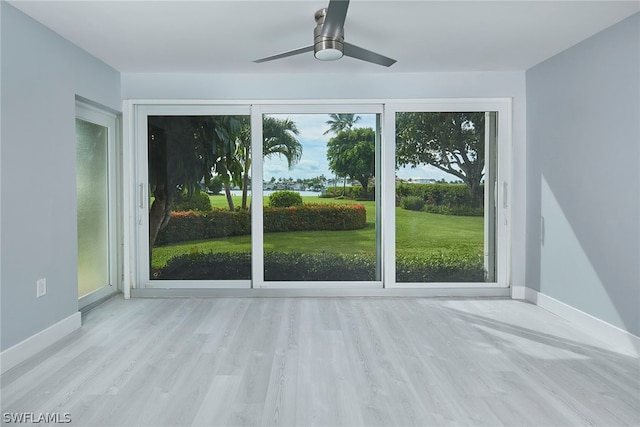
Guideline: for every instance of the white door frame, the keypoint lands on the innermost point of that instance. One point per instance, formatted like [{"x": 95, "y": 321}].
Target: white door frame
[
  {"x": 136, "y": 199},
  {"x": 95, "y": 115}
]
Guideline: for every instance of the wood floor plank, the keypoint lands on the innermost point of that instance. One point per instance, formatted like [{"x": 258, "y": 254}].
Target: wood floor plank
[{"x": 327, "y": 362}]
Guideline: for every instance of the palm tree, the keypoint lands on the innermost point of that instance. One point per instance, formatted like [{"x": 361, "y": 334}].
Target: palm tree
[
  {"x": 279, "y": 139},
  {"x": 340, "y": 122}
]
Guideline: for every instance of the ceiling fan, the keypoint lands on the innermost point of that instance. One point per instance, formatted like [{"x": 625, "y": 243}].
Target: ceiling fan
[{"x": 328, "y": 39}]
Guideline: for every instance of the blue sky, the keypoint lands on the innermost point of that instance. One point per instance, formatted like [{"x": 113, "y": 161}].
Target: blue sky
[{"x": 314, "y": 151}]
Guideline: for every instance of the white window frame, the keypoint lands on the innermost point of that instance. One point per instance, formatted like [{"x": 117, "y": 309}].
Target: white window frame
[{"x": 136, "y": 204}]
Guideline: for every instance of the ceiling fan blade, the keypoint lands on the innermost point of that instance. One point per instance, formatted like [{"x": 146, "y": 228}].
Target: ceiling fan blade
[
  {"x": 366, "y": 55},
  {"x": 285, "y": 54},
  {"x": 334, "y": 21}
]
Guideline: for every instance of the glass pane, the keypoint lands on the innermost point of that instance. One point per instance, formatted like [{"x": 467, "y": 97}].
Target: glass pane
[
  {"x": 442, "y": 214},
  {"x": 93, "y": 206},
  {"x": 319, "y": 197},
  {"x": 199, "y": 187}
]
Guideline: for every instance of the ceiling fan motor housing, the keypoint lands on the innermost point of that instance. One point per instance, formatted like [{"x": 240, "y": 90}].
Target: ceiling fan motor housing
[
  {"x": 326, "y": 48},
  {"x": 328, "y": 39}
]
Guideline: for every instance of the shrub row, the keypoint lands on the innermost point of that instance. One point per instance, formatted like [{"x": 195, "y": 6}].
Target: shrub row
[
  {"x": 439, "y": 268},
  {"x": 192, "y": 225},
  {"x": 412, "y": 203},
  {"x": 279, "y": 266},
  {"x": 207, "y": 266},
  {"x": 450, "y": 195},
  {"x": 354, "y": 193},
  {"x": 314, "y": 217},
  {"x": 455, "y": 210}
]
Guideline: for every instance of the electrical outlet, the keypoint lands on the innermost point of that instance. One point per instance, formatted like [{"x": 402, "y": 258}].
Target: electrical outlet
[{"x": 41, "y": 288}]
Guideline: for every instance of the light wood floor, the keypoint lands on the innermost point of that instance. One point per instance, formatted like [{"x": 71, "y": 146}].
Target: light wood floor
[{"x": 327, "y": 362}]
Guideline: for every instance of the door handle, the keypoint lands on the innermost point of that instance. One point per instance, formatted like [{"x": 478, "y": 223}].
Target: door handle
[{"x": 505, "y": 194}]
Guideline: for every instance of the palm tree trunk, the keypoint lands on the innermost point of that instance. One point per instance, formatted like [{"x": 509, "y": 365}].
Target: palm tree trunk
[
  {"x": 245, "y": 181},
  {"x": 227, "y": 192},
  {"x": 159, "y": 213}
]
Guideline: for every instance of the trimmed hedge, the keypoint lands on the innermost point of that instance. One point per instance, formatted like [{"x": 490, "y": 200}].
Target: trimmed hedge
[
  {"x": 207, "y": 266},
  {"x": 285, "y": 199},
  {"x": 314, "y": 217},
  {"x": 449, "y": 195},
  {"x": 439, "y": 268},
  {"x": 355, "y": 192},
  {"x": 412, "y": 203},
  {"x": 455, "y": 210},
  {"x": 192, "y": 225},
  {"x": 279, "y": 266}
]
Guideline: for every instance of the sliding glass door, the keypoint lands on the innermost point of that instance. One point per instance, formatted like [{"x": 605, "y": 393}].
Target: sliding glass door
[
  {"x": 322, "y": 195},
  {"x": 194, "y": 196},
  {"x": 320, "y": 199},
  {"x": 449, "y": 168},
  {"x": 444, "y": 174}
]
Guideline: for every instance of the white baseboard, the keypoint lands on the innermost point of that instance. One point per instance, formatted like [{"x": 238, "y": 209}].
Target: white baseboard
[
  {"x": 614, "y": 338},
  {"x": 518, "y": 292},
  {"x": 25, "y": 349}
]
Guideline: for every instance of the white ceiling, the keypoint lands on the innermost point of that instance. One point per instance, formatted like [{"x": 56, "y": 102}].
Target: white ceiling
[{"x": 226, "y": 36}]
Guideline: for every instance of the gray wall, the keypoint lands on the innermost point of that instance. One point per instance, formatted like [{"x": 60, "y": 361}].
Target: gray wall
[
  {"x": 41, "y": 76},
  {"x": 583, "y": 176}
]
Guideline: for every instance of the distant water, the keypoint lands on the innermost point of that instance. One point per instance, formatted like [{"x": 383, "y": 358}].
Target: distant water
[{"x": 270, "y": 192}]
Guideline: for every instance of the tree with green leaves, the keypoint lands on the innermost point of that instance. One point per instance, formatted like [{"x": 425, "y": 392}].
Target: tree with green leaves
[
  {"x": 338, "y": 122},
  {"x": 452, "y": 142},
  {"x": 351, "y": 153},
  {"x": 184, "y": 151}
]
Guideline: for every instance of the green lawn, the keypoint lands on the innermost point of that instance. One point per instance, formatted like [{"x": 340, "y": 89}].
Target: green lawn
[{"x": 417, "y": 233}]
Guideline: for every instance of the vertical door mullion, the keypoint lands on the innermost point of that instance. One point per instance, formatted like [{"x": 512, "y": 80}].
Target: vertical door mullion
[
  {"x": 129, "y": 264},
  {"x": 379, "y": 253},
  {"x": 490, "y": 202},
  {"x": 141, "y": 199},
  {"x": 503, "y": 196},
  {"x": 257, "y": 218},
  {"x": 388, "y": 205}
]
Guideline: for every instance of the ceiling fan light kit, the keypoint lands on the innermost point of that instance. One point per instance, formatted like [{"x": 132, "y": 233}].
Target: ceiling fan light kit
[
  {"x": 328, "y": 39},
  {"x": 328, "y": 50}
]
